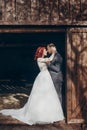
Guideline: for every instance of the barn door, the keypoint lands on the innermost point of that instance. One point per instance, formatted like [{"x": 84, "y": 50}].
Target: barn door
[{"x": 77, "y": 75}]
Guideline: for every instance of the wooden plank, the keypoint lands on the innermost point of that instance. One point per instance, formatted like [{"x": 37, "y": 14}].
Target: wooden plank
[
  {"x": 9, "y": 13},
  {"x": 64, "y": 10},
  {"x": 22, "y": 7},
  {"x": 68, "y": 77},
  {"x": 77, "y": 112},
  {"x": 75, "y": 11},
  {"x": 0, "y": 10},
  {"x": 27, "y": 30}
]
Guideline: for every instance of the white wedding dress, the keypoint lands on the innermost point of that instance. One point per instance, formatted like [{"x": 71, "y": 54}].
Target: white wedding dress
[{"x": 43, "y": 105}]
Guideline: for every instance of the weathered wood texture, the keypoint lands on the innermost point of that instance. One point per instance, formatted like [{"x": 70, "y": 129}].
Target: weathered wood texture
[
  {"x": 17, "y": 101},
  {"x": 42, "y": 127},
  {"x": 43, "y": 12},
  {"x": 61, "y": 126},
  {"x": 77, "y": 75}
]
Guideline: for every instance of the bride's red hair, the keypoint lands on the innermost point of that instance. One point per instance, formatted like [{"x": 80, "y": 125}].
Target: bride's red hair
[{"x": 39, "y": 52}]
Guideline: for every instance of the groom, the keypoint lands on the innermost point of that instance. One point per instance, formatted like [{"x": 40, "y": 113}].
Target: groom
[{"x": 54, "y": 68}]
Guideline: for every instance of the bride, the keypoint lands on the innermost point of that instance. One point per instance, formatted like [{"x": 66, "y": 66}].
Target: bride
[{"x": 43, "y": 105}]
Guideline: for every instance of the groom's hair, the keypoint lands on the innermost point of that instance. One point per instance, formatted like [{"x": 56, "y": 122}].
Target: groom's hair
[{"x": 51, "y": 45}]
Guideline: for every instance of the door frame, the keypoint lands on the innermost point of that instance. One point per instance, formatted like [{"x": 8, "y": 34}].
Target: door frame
[{"x": 25, "y": 29}]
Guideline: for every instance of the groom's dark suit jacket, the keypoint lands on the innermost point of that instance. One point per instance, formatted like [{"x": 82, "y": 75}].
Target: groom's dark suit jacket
[{"x": 55, "y": 71}]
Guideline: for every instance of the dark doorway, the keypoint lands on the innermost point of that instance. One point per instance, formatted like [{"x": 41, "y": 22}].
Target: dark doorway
[{"x": 17, "y": 66}]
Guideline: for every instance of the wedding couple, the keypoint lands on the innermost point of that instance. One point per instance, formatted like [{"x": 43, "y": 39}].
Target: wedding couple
[{"x": 44, "y": 103}]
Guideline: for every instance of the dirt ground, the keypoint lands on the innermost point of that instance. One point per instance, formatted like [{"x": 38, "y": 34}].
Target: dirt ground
[{"x": 18, "y": 100}]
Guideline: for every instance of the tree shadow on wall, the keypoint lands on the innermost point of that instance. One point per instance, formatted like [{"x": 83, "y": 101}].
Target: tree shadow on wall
[{"x": 78, "y": 76}]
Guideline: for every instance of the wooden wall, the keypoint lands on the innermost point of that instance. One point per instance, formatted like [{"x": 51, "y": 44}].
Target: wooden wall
[
  {"x": 43, "y": 12},
  {"x": 77, "y": 75},
  {"x": 58, "y": 12}
]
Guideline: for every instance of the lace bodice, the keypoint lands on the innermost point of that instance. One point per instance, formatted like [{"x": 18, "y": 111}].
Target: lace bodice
[
  {"x": 42, "y": 62},
  {"x": 42, "y": 66}
]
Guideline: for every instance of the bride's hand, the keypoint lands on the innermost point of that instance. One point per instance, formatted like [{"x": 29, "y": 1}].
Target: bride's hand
[{"x": 47, "y": 61}]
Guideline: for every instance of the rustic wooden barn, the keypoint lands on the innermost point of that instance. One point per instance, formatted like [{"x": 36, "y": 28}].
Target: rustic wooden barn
[{"x": 61, "y": 17}]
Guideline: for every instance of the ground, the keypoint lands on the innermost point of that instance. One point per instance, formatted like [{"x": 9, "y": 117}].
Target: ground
[
  {"x": 18, "y": 100},
  {"x": 58, "y": 126}
]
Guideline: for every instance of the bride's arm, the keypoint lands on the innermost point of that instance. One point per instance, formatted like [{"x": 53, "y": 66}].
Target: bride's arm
[{"x": 45, "y": 60}]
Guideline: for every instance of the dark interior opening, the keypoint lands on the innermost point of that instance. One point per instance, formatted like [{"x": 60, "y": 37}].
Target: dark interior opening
[{"x": 18, "y": 69}]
